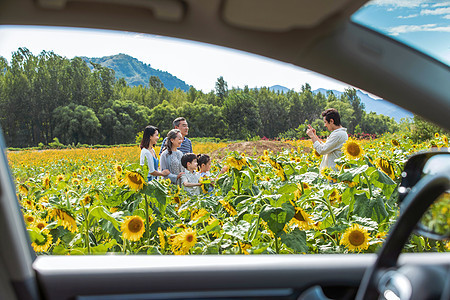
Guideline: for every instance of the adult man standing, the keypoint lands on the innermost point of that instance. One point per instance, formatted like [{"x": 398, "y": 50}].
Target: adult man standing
[
  {"x": 181, "y": 124},
  {"x": 331, "y": 149}
]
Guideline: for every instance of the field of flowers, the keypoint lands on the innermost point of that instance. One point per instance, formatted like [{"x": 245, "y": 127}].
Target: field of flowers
[{"x": 96, "y": 201}]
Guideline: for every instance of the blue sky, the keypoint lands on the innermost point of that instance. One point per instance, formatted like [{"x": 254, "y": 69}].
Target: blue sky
[{"x": 425, "y": 24}]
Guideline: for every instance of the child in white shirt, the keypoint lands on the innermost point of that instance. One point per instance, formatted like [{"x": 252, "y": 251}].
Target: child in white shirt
[{"x": 189, "y": 180}]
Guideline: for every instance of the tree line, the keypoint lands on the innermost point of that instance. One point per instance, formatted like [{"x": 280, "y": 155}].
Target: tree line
[{"x": 48, "y": 96}]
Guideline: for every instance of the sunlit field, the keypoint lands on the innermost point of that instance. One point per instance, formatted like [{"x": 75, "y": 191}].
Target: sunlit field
[{"x": 96, "y": 201}]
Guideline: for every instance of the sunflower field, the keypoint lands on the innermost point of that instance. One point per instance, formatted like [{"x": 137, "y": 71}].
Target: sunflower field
[{"x": 97, "y": 201}]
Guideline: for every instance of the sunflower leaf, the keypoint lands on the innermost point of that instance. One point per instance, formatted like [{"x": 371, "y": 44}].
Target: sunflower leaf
[
  {"x": 100, "y": 212},
  {"x": 296, "y": 240}
]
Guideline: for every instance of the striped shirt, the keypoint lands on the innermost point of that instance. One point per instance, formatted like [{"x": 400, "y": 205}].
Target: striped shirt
[{"x": 185, "y": 147}]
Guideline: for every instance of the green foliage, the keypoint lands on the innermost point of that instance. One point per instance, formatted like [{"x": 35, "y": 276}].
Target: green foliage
[{"x": 80, "y": 101}]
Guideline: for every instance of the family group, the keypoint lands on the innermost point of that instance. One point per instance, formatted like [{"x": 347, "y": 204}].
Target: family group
[
  {"x": 178, "y": 163},
  {"x": 185, "y": 168}
]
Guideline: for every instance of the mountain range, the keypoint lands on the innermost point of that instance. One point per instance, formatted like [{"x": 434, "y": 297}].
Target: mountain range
[
  {"x": 378, "y": 106},
  {"x": 137, "y": 73}
]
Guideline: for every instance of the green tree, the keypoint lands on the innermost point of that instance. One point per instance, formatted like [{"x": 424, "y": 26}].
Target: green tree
[
  {"x": 240, "y": 112},
  {"x": 221, "y": 91},
  {"x": 76, "y": 124},
  {"x": 156, "y": 83}
]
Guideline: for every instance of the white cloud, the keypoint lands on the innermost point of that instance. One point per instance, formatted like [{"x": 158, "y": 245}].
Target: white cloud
[
  {"x": 408, "y": 17},
  {"x": 438, "y": 11},
  {"x": 417, "y": 28},
  {"x": 398, "y": 3},
  {"x": 441, "y": 4},
  {"x": 446, "y": 17}
]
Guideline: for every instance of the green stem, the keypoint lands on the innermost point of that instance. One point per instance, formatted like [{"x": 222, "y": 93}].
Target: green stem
[
  {"x": 147, "y": 219},
  {"x": 86, "y": 233},
  {"x": 277, "y": 247},
  {"x": 368, "y": 184}
]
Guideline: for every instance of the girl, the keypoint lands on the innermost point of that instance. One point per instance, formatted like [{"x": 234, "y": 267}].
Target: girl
[
  {"x": 171, "y": 157},
  {"x": 149, "y": 139}
]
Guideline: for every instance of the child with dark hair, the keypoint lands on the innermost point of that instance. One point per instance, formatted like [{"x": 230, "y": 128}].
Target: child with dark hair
[{"x": 190, "y": 179}]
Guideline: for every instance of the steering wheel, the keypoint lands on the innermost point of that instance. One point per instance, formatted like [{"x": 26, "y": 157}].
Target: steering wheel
[{"x": 407, "y": 282}]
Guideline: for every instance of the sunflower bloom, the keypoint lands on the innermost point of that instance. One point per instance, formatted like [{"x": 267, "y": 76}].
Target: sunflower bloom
[
  {"x": 29, "y": 219},
  {"x": 133, "y": 228},
  {"x": 23, "y": 189},
  {"x": 197, "y": 214},
  {"x": 66, "y": 220},
  {"x": 436, "y": 135},
  {"x": 386, "y": 167},
  {"x": 228, "y": 207},
  {"x": 352, "y": 149},
  {"x": 184, "y": 241},
  {"x": 134, "y": 180},
  {"x": 118, "y": 169},
  {"x": 60, "y": 178},
  {"x": 355, "y": 238},
  {"x": 236, "y": 163},
  {"x": 395, "y": 142},
  {"x": 302, "y": 219},
  {"x": 76, "y": 181},
  {"x": 45, "y": 244},
  {"x": 41, "y": 224},
  {"x": 87, "y": 199},
  {"x": 46, "y": 182},
  {"x": 162, "y": 238}
]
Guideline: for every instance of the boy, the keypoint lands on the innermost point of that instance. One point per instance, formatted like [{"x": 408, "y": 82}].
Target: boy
[{"x": 190, "y": 178}]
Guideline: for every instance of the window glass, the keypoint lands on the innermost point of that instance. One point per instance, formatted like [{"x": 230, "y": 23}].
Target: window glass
[
  {"x": 75, "y": 107},
  {"x": 421, "y": 24}
]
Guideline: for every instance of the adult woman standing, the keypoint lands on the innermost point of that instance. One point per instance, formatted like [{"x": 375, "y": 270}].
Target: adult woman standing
[
  {"x": 171, "y": 157},
  {"x": 148, "y": 142}
]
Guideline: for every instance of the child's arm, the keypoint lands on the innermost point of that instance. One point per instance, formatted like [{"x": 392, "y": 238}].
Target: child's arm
[{"x": 191, "y": 184}]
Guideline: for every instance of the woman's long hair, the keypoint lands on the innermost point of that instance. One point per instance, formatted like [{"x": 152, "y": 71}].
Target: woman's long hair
[
  {"x": 148, "y": 132},
  {"x": 171, "y": 136}
]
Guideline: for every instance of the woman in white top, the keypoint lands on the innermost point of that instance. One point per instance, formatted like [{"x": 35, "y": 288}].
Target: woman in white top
[
  {"x": 149, "y": 139},
  {"x": 171, "y": 157}
]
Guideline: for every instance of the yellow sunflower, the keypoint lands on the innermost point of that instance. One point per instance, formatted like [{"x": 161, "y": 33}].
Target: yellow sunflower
[
  {"x": 23, "y": 189},
  {"x": 197, "y": 214},
  {"x": 29, "y": 219},
  {"x": 162, "y": 238},
  {"x": 386, "y": 167},
  {"x": 335, "y": 197},
  {"x": 28, "y": 203},
  {"x": 46, "y": 182},
  {"x": 133, "y": 228},
  {"x": 316, "y": 154},
  {"x": 302, "y": 219},
  {"x": 355, "y": 238},
  {"x": 87, "y": 199},
  {"x": 352, "y": 149},
  {"x": 228, "y": 207},
  {"x": 436, "y": 135},
  {"x": 134, "y": 180},
  {"x": 236, "y": 163},
  {"x": 184, "y": 241},
  {"x": 118, "y": 169},
  {"x": 86, "y": 181},
  {"x": 60, "y": 178},
  {"x": 75, "y": 181},
  {"x": 41, "y": 224},
  {"x": 445, "y": 140},
  {"x": 65, "y": 219},
  {"x": 42, "y": 246},
  {"x": 395, "y": 142}
]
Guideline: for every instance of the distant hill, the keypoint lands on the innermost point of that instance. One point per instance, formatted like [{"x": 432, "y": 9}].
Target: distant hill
[
  {"x": 379, "y": 106},
  {"x": 279, "y": 88},
  {"x": 136, "y": 72}
]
